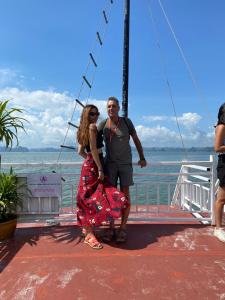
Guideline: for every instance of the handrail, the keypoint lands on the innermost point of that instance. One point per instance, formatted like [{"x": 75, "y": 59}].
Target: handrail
[
  {"x": 197, "y": 167},
  {"x": 72, "y": 163},
  {"x": 191, "y": 188}
]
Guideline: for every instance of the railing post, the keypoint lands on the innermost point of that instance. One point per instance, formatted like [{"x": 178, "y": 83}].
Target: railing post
[
  {"x": 212, "y": 188},
  {"x": 183, "y": 185},
  {"x": 177, "y": 191}
]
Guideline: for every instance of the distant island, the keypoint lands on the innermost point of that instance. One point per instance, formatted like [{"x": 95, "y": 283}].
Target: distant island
[
  {"x": 25, "y": 149},
  {"x": 52, "y": 149},
  {"x": 179, "y": 149}
]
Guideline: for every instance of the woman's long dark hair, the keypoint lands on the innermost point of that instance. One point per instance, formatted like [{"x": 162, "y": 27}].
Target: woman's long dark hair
[
  {"x": 83, "y": 130},
  {"x": 221, "y": 115}
]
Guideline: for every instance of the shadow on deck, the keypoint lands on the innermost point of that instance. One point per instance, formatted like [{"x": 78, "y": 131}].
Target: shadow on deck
[{"x": 159, "y": 261}]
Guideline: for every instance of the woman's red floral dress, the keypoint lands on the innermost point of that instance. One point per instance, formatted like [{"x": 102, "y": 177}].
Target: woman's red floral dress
[{"x": 98, "y": 203}]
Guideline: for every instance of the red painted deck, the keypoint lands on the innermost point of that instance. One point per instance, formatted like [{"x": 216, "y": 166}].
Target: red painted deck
[{"x": 159, "y": 261}]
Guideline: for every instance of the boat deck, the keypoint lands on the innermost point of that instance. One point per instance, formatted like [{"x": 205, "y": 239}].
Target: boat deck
[{"x": 159, "y": 261}]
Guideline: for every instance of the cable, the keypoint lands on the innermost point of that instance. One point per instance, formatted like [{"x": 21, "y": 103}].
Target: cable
[
  {"x": 166, "y": 76},
  {"x": 198, "y": 90}
]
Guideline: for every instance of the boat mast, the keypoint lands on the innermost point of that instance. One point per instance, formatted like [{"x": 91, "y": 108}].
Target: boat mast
[{"x": 126, "y": 58}]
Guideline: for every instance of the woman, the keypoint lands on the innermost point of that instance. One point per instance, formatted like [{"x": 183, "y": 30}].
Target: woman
[
  {"x": 220, "y": 148},
  {"x": 97, "y": 202}
]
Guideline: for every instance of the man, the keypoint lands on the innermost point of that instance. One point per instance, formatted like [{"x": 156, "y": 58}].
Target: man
[{"x": 116, "y": 132}]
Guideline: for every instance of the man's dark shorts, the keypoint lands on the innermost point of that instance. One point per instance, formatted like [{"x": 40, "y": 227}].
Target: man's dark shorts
[
  {"x": 122, "y": 171},
  {"x": 221, "y": 170}
]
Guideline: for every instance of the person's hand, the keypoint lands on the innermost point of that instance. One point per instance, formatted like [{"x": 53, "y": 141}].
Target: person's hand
[
  {"x": 142, "y": 163},
  {"x": 101, "y": 175}
]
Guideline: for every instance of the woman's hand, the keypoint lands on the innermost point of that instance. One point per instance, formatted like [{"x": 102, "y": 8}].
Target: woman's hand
[{"x": 101, "y": 175}]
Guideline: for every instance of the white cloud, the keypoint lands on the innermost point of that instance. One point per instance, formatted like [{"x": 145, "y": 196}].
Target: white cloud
[
  {"x": 48, "y": 113},
  {"x": 188, "y": 120},
  {"x": 157, "y": 136},
  {"x": 154, "y": 118},
  {"x": 10, "y": 77},
  {"x": 161, "y": 136}
]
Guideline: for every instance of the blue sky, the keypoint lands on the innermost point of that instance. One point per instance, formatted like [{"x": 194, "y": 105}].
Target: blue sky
[{"x": 45, "y": 49}]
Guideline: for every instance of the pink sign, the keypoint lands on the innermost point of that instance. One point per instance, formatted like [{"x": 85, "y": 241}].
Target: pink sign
[{"x": 44, "y": 185}]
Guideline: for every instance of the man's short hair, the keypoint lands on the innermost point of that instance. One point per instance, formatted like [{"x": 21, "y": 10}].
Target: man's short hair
[{"x": 112, "y": 98}]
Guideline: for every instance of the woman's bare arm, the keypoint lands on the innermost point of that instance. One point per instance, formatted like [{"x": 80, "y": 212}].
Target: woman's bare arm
[
  {"x": 94, "y": 150},
  {"x": 81, "y": 151}
]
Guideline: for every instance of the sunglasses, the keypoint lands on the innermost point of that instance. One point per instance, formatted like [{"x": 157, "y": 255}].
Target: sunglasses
[
  {"x": 112, "y": 106},
  {"x": 93, "y": 114}
]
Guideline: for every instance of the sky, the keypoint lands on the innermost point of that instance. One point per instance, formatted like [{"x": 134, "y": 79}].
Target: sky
[{"x": 177, "y": 66}]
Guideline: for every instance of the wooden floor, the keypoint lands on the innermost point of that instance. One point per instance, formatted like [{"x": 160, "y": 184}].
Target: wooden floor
[{"x": 159, "y": 261}]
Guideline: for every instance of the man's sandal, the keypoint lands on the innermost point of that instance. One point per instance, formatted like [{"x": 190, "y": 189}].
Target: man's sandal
[
  {"x": 121, "y": 236},
  {"x": 108, "y": 235},
  {"x": 91, "y": 240}
]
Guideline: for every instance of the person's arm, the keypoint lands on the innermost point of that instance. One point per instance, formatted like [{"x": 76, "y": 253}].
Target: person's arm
[
  {"x": 81, "y": 151},
  {"x": 142, "y": 162},
  {"x": 219, "y": 138},
  {"x": 94, "y": 150}
]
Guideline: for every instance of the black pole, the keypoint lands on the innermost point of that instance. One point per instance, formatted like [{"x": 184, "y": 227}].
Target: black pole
[{"x": 126, "y": 58}]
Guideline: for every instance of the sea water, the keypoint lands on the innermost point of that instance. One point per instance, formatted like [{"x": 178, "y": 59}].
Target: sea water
[{"x": 152, "y": 188}]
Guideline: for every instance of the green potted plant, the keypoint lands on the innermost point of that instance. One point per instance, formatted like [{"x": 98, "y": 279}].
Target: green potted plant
[
  {"x": 10, "y": 200},
  {"x": 10, "y": 190}
]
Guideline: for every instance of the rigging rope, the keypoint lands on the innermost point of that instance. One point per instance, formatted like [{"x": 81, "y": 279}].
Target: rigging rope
[
  {"x": 188, "y": 66},
  {"x": 95, "y": 69},
  {"x": 84, "y": 80},
  {"x": 156, "y": 33}
]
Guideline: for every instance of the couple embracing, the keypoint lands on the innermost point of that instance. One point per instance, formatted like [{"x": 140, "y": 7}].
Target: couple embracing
[{"x": 99, "y": 202}]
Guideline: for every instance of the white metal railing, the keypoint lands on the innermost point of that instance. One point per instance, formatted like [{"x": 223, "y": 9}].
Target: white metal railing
[
  {"x": 156, "y": 194},
  {"x": 188, "y": 191},
  {"x": 196, "y": 196}
]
